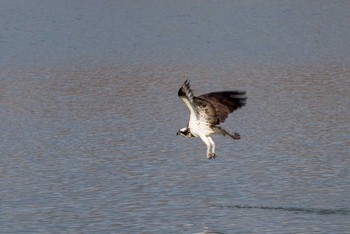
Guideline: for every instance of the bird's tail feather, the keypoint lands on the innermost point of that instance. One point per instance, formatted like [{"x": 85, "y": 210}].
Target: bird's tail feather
[{"x": 234, "y": 136}]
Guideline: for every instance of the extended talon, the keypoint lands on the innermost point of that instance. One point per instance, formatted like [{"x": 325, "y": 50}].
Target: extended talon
[{"x": 211, "y": 155}]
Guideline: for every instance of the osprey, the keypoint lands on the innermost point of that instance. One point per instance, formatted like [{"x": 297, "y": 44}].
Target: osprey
[{"x": 207, "y": 111}]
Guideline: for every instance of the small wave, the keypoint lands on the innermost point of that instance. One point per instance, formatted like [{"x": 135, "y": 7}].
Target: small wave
[{"x": 319, "y": 211}]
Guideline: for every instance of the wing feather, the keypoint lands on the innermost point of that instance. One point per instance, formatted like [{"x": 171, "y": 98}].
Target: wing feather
[
  {"x": 225, "y": 102},
  {"x": 199, "y": 108},
  {"x": 205, "y": 111},
  {"x": 214, "y": 107},
  {"x": 186, "y": 95}
]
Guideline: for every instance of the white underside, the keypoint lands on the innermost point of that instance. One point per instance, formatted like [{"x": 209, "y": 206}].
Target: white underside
[{"x": 201, "y": 128}]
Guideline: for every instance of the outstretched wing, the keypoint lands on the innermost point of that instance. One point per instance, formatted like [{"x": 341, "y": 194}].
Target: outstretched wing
[
  {"x": 225, "y": 102},
  {"x": 186, "y": 95},
  {"x": 199, "y": 108},
  {"x": 205, "y": 111}
]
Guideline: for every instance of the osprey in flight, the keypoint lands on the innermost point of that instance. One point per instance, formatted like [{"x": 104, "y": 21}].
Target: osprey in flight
[{"x": 207, "y": 111}]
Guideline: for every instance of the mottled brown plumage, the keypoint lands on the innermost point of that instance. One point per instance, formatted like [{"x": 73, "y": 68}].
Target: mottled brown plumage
[{"x": 224, "y": 103}]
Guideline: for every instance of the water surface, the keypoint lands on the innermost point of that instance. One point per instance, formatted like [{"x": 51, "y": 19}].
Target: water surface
[
  {"x": 89, "y": 114},
  {"x": 95, "y": 150}
]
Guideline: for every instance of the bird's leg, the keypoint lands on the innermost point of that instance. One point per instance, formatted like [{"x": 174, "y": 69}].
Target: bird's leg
[
  {"x": 213, "y": 147},
  {"x": 206, "y": 141}
]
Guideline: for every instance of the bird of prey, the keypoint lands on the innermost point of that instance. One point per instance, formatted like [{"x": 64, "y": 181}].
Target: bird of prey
[{"x": 207, "y": 111}]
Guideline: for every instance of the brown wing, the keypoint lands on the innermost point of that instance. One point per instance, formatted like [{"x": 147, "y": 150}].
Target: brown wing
[
  {"x": 225, "y": 102},
  {"x": 205, "y": 111}
]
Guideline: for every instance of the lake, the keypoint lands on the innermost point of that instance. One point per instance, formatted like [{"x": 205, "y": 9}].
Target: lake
[{"x": 89, "y": 115}]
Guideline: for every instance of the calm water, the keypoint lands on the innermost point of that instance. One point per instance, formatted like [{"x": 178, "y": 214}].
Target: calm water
[
  {"x": 88, "y": 146},
  {"x": 96, "y": 150}
]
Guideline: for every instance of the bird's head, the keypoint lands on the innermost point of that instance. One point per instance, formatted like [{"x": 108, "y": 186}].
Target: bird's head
[{"x": 184, "y": 132}]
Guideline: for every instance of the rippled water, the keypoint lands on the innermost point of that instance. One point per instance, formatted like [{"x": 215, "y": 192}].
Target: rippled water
[
  {"x": 94, "y": 150},
  {"x": 89, "y": 114}
]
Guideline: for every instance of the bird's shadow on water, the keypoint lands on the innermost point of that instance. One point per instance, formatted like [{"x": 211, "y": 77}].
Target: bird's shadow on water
[{"x": 297, "y": 210}]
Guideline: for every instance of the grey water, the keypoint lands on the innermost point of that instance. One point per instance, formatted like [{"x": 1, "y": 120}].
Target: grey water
[{"x": 89, "y": 114}]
